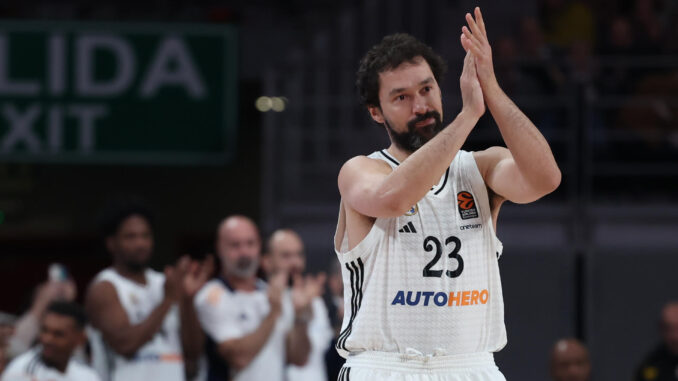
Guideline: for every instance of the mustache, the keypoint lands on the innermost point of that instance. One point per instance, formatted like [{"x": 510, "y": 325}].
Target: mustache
[{"x": 431, "y": 114}]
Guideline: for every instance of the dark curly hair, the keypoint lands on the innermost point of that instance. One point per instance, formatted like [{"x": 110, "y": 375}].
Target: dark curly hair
[
  {"x": 117, "y": 210},
  {"x": 391, "y": 52}
]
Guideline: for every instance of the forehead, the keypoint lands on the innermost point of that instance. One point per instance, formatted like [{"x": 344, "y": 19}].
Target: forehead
[
  {"x": 407, "y": 74},
  {"x": 56, "y": 321},
  {"x": 134, "y": 222},
  {"x": 238, "y": 231},
  {"x": 569, "y": 351},
  {"x": 670, "y": 314},
  {"x": 284, "y": 241}
]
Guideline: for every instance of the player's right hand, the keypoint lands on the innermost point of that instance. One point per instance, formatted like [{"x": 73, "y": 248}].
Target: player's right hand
[
  {"x": 276, "y": 286},
  {"x": 471, "y": 92},
  {"x": 172, "y": 284}
]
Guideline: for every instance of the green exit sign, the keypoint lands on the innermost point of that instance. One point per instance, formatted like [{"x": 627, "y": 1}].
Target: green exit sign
[{"x": 117, "y": 93}]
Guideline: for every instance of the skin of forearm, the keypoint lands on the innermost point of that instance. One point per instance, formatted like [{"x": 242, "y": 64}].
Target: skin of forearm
[
  {"x": 529, "y": 148},
  {"x": 409, "y": 182},
  {"x": 128, "y": 341},
  {"x": 192, "y": 337},
  {"x": 240, "y": 352},
  {"x": 299, "y": 345}
]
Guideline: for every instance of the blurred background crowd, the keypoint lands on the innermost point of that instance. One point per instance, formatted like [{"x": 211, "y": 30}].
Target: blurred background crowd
[{"x": 249, "y": 108}]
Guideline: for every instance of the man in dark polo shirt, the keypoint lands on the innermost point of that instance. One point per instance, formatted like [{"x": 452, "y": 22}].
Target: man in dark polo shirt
[{"x": 662, "y": 363}]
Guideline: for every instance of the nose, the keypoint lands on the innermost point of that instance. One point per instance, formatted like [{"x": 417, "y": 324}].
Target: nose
[{"x": 419, "y": 106}]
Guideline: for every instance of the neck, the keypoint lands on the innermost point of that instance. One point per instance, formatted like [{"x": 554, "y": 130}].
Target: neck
[
  {"x": 58, "y": 365},
  {"x": 398, "y": 153},
  {"x": 241, "y": 284},
  {"x": 133, "y": 275}
]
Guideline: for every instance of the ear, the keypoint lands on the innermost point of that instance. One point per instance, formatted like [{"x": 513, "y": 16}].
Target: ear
[{"x": 375, "y": 113}]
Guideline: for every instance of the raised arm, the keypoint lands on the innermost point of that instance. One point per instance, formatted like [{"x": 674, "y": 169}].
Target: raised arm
[
  {"x": 527, "y": 170},
  {"x": 193, "y": 275},
  {"x": 371, "y": 188},
  {"x": 108, "y": 316}
]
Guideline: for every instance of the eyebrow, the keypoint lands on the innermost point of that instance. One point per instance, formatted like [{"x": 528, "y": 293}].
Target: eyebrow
[{"x": 401, "y": 89}]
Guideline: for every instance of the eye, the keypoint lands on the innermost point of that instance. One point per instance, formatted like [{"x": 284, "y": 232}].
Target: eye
[
  {"x": 427, "y": 89},
  {"x": 401, "y": 97}
]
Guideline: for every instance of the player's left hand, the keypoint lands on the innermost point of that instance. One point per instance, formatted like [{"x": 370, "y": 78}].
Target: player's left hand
[
  {"x": 305, "y": 289},
  {"x": 194, "y": 274},
  {"x": 474, "y": 38}
]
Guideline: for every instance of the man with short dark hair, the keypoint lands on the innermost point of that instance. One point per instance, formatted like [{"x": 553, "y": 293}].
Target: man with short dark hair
[
  {"x": 61, "y": 332},
  {"x": 145, "y": 318},
  {"x": 662, "y": 363},
  {"x": 570, "y": 361},
  {"x": 417, "y": 220}
]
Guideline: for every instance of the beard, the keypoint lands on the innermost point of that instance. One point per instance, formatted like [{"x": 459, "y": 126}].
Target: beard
[
  {"x": 243, "y": 267},
  {"x": 414, "y": 138}
]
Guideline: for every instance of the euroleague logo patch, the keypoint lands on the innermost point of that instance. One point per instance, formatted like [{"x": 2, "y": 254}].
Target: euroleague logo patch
[{"x": 467, "y": 205}]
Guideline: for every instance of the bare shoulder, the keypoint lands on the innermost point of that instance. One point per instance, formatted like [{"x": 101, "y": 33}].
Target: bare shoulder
[
  {"x": 487, "y": 159},
  {"x": 100, "y": 295},
  {"x": 359, "y": 168},
  {"x": 365, "y": 164}
]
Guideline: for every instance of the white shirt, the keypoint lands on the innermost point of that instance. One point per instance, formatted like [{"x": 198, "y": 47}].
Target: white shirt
[
  {"x": 320, "y": 334},
  {"x": 426, "y": 282},
  {"x": 30, "y": 367},
  {"x": 227, "y": 314},
  {"x": 159, "y": 358}
]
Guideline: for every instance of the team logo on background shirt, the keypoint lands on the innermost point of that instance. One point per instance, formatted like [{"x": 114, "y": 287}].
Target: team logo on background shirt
[
  {"x": 414, "y": 210},
  {"x": 467, "y": 205}
]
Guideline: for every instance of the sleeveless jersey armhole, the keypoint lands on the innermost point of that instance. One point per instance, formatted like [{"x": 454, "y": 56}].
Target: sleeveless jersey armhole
[
  {"x": 476, "y": 172},
  {"x": 363, "y": 248}
]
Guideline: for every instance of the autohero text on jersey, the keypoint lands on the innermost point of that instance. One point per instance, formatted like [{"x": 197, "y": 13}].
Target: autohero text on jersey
[{"x": 441, "y": 299}]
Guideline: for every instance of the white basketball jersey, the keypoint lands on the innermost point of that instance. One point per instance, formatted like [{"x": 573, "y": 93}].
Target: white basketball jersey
[
  {"x": 427, "y": 281},
  {"x": 30, "y": 367},
  {"x": 160, "y": 358}
]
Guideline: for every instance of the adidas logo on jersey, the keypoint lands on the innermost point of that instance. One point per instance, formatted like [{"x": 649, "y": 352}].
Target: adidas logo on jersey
[{"x": 409, "y": 228}]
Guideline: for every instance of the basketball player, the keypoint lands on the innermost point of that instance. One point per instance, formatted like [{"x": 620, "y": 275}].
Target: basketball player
[
  {"x": 62, "y": 330},
  {"x": 145, "y": 324},
  {"x": 254, "y": 328},
  {"x": 285, "y": 253},
  {"x": 416, "y": 231}
]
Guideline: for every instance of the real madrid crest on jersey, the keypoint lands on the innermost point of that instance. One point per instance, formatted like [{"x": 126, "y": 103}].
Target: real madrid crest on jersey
[{"x": 413, "y": 210}]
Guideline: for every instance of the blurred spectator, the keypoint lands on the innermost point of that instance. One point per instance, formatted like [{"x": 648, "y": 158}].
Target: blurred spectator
[
  {"x": 652, "y": 113},
  {"x": 541, "y": 75},
  {"x": 662, "y": 363},
  {"x": 649, "y": 26},
  {"x": 3, "y": 358},
  {"x": 334, "y": 299},
  {"x": 145, "y": 318},
  {"x": 26, "y": 329},
  {"x": 62, "y": 332},
  {"x": 285, "y": 253},
  {"x": 7, "y": 322},
  {"x": 570, "y": 361},
  {"x": 567, "y": 21},
  {"x": 254, "y": 329},
  {"x": 619, "y": 45}
]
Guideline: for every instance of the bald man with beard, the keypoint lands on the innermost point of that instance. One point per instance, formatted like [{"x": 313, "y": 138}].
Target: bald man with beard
[
  {"x": 251, "y": 326},
  {"x": 570, "y": 361},
  {"x": 662, "y": 363}
]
